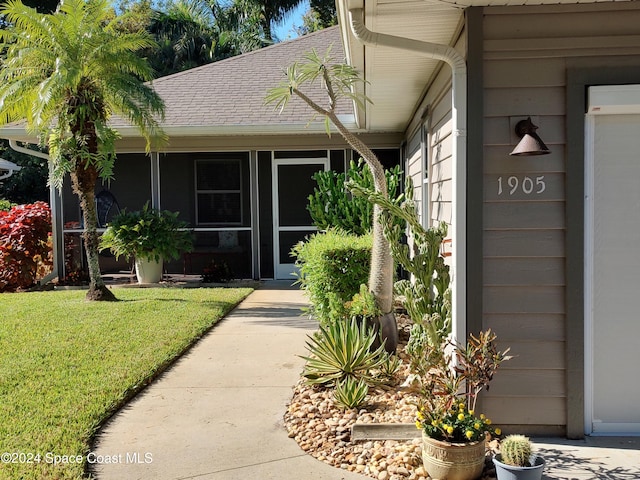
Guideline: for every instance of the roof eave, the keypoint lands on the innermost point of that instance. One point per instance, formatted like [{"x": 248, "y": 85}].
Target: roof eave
[{"x": 19, "y": 133}]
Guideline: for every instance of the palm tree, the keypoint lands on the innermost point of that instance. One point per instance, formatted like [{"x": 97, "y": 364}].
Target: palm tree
[
  {"x": 185, "y": 35},
  {"x": 65, "y": 74},
  {"x": 339, "y": 81}
]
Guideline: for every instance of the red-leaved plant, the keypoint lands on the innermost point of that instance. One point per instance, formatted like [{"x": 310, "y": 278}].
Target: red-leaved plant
[{"x": 24, "y": 245}]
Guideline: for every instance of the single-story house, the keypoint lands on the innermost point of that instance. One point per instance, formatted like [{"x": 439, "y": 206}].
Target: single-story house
[{"x": 543, "y": 247}]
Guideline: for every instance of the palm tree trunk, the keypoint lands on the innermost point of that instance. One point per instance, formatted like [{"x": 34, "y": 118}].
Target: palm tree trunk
[
  {"x": 382, "y": 267},
  {"x": 83, "y": 179}
]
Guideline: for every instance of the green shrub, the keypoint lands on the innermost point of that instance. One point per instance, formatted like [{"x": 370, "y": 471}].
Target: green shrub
[
  {"x": 341, "y": 350},
  {"x": 350, "y": 393},
  {"x": 5, "y": 205},
  {"x": 331, "y": 204},
  {"x": 332, "y": 266}
]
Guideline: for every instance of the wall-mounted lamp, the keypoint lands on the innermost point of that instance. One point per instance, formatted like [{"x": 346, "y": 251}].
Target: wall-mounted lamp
[
  {"x": 7, "y": 168},
  {"x": 531, "y": 143}
]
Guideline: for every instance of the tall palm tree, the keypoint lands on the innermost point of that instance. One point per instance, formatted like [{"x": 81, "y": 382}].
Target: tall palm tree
[
  {"x": 65, "y": 74},
  {"x": 339, "y": 81}
]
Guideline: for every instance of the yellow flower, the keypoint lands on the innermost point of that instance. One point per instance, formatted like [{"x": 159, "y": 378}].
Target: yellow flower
[
  {"x": 482, "y": 416},
  {"x": 420, "y": 415},
  {"x": 461, "y": 416},
  {"x": 418, "y": 424},
  {"x": 470, "y": 412},
  {"x": 498, "y": 431},
  {"x": 461, "y": 406},
  {"x": 469, "y": 434},
  {"x": 476, "y": 425},
  {"x": 434, "y": 423},
  {"x": 487, "y": 421},
  {"x": 449, "y": 429}
]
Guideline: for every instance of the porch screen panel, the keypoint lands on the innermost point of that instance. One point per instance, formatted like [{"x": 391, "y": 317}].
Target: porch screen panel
[
  {"x": 294, "y": 184},
  {"x": 222, "y": 191}
]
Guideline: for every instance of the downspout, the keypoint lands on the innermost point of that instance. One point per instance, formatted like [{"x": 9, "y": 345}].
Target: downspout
[
  {"x": 54, "y": 200},
  {"x": 458, "y": 66}
]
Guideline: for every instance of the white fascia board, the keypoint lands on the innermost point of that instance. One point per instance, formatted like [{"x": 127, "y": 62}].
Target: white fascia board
[
  {"x": 614, "y": 100},
  {"x": 127, "y": 131}
]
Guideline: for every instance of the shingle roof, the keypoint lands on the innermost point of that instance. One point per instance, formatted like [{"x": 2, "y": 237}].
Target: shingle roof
[{"x": 231, "y": 92}]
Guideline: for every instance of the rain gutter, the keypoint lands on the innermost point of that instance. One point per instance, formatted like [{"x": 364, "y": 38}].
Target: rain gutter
[{"x": 458, "y": 66}]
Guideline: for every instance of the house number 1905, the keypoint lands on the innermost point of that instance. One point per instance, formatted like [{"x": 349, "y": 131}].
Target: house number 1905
[{"x": 527, "y": 185}]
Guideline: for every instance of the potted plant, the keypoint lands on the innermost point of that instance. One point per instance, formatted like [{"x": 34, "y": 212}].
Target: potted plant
[
  {"x": 453, "y": 435},
  {"x": 148, "y": 235},
  {"x": 516, "y": 460}
]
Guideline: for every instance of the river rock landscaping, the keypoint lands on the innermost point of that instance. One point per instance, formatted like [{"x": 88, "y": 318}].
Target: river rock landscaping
[{"x": 324, "y": 431}]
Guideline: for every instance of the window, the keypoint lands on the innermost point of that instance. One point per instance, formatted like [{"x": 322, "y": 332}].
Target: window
[{"x": 219, "y": 192}]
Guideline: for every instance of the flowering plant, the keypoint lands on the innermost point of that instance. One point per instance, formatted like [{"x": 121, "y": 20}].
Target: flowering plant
[
  {"x": 457, "y": 425},
  {"x": 451, "y": 377}
]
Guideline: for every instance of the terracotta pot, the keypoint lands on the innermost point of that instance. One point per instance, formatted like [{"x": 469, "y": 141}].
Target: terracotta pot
[{"x": 453, "y": 461}]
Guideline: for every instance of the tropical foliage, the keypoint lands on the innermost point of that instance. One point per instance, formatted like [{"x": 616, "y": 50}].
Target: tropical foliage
[
  {"x": 66, "y": 74},
  {"x": 332, "y": 205},
  {"x": 451, "y": 376},
  {"x": 24, "y": 245},
  {"x": 149, "y": 234}
]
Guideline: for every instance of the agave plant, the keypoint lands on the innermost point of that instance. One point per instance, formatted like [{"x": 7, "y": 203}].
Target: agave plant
[
  {"x": 340, "y": 350},
  {"x": 350, "y": 393}
]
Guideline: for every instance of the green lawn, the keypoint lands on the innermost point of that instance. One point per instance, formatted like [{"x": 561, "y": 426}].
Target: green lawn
[{"x": 67, "y": 364}]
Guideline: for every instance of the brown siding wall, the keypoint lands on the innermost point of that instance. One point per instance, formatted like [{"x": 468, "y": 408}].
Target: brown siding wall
[{"x": 527, "y": 51}]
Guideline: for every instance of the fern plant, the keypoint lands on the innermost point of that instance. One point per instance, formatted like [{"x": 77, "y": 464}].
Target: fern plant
[{"x": 340, "y": 350}]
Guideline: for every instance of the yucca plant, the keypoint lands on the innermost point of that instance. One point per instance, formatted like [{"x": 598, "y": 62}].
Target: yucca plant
[
  {"x": 342, "y": 349},
  {"x": 390, "y": 365},
  {"x": 350, "y": 393}
]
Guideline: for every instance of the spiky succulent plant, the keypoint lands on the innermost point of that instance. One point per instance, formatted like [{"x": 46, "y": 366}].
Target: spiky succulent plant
[{"x": 516, "y": 450}]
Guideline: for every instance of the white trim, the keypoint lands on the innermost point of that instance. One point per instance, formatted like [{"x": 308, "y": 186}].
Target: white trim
[
  {"x": 614, "y": 100},
  {"x": 589, "y": 130}
]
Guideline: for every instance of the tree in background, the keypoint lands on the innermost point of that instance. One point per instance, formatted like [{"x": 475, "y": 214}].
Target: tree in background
[
  {"x": 321, "y": 14},
  {"x": 65, "y": 74}
]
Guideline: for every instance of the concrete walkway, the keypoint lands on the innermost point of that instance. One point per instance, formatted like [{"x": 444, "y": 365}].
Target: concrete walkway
[{"x": 217, "y": 413}]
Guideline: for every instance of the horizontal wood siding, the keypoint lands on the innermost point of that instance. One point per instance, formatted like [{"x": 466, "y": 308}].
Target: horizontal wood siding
[
  {"x": 527, "y": 51},
  {"x": 440, "y": 149}
]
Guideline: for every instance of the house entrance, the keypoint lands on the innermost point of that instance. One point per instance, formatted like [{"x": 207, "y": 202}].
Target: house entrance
[
  {"x": 292, "y": 185},
  {"x": 612, "y": 273}
]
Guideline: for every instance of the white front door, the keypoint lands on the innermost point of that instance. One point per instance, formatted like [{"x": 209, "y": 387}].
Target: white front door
[
  {"x": 612, "y": 273},
  {"x": 292, "y": 185}
]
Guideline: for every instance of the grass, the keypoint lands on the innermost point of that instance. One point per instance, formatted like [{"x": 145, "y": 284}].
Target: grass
[{"x": 66, "y": 365}]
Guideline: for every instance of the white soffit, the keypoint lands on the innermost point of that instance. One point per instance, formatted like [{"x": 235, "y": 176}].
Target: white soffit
[
  {"x": 397, "y": 79},
  {"x": 614, "y": 100}
]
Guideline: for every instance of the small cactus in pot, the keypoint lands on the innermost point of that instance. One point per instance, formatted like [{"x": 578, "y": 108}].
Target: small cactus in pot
[
  {"x": 516, "y": 460},
  {"x": 516, "y": 450}
]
